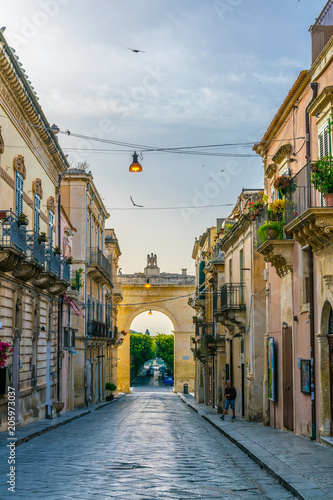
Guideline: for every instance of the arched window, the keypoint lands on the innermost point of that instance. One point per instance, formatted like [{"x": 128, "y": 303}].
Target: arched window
[{"x": 330, "y": 323}]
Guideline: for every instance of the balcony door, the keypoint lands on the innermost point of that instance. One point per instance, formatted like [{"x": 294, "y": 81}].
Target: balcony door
[{"x": 288, "y": 385}]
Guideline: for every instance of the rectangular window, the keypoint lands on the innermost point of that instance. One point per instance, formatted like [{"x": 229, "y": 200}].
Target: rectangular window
[
  {"x": 305, "y": 291},
  {"x": 37, "y": 214},
  {"x": 50, "y": 235},
  {"x": 230, "y": 271},
  {"x": 19, "y": 194},
  {"x": 323, "y": 142}
]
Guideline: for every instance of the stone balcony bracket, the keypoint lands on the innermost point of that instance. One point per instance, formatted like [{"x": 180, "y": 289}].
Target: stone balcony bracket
[
  {"x": 279, "y": 253},
  {"x": 314, "y": 227},
  {"x": 232, "y": 319}
]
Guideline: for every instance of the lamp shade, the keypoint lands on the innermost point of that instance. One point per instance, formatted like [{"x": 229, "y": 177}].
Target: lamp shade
[{"x": 135, "y": 165}]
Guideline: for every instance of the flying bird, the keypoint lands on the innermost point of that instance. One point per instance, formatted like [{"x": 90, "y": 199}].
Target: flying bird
[
  {"x": 141, "y": 206},
  {"x": 135, "y": 50}
]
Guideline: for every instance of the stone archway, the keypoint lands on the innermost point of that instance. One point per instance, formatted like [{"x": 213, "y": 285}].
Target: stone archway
[
  {"x": 325, "y": 347},
  {"x": 168, "y": 294}
]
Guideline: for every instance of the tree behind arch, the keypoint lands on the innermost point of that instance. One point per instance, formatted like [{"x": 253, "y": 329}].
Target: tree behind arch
[
  {"x": 142, "y": 349},
  {"x": 164, "y": 348}
]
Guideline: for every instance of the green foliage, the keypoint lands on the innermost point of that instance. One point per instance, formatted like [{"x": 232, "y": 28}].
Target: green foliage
[
  {"x": 77, "y": 280},
  {"x": 110, "y": 387},
  {"x": 164, "y": 345},
  {"x": 142, "y": 349},
  {"x": 322, "y": 175},
  {"x": 271, "y": 229}
]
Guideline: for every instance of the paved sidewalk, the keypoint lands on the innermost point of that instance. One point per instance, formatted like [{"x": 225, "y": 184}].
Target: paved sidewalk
[
  {"x": 302, "y": 466},
  {"x": 30, "y": 431}
]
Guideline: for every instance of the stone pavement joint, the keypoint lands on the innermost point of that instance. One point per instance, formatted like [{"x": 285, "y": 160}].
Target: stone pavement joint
[
  {"x": 278, "y": 452},
  {"x": 30, "y": 431}
]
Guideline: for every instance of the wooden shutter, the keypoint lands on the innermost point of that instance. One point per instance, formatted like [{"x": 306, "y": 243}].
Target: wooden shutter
[{"x": 19, "y": 194}]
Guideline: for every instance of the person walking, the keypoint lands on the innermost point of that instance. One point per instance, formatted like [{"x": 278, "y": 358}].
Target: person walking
[{"x": 230, "y": 396}]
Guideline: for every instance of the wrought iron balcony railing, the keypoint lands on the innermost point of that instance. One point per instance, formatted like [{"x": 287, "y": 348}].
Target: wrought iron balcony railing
[
  {"x": 99, "y": 329},
  {"x": 12, "y": 235},
  {"x": 305, "y": 196},
  {"x": 232, "y": 296},
  {"x": 65, "y": 271},
  {"x": 52, "y": 262},
  {"x": 36, "y": 251},
  {"x": 96, "y": 258}
]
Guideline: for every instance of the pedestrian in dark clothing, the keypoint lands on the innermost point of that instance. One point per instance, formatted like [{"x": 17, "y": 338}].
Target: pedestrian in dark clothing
[{"x": 230, "y": 396}]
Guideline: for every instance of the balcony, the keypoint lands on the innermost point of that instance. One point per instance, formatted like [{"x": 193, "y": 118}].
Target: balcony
[
  {"x": 13, "y": 241},
  {"x": 51, "y": 273},
  {"x": 274, "y": 242},
  {"x": 98, "y": 266},
  {"x": 231, "y": 309},
  {"x": 61, "y": 284},
  {"x": 34, "y": 263},
  {"x": 99, "y": 329},
  {"x": 307, "y": 218}
]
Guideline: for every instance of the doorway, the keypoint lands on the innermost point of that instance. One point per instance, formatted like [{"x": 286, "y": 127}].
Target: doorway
[
  {"x": 330, "y": 347},
  {"x": 288, "y": 385}
]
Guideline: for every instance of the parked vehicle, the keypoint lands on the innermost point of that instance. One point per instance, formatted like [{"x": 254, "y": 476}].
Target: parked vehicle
[{"x": 168, "y": 381}]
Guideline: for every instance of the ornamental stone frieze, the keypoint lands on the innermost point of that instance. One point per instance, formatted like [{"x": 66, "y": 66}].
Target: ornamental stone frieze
[
  {"x": 314, "y": 227},
  {"x": 18, "y": 165},
  {"x": 328, "y": 279},
  {"x": 279, "y": 253}
]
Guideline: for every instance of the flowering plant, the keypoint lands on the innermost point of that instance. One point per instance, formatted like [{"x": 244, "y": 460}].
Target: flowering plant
[
  {"x": 285, "y": 182},
  {"x": 5, "y": 348}
]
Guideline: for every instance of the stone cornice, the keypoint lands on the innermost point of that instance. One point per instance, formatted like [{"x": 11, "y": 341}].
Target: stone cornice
[
  {"x": 283, "y": 151},
  {"x": 21, "y": 105},
  {"x": 322, "y": 61},
  {"x": 242, "y": 224}
]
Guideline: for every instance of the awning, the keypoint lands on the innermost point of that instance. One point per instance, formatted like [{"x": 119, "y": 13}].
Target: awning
[{"x": 74, "y": 306}]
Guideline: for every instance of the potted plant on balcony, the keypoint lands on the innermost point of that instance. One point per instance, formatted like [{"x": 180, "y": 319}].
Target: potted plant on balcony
[
  {"x": 69, "y": 260},
  {"x": 22, "y": 219},
  {"x": 285, "y": 183},
  {"x": 57, "y": 251},
  {"x": 77, "y": 281},
  {"x": 110, "y": 387},
  {"x": 42, "y": 237},
  {"x": 271, "y": 230},
  {"x": 5, "y": 349},
  {"x": 322, "y": 178}
]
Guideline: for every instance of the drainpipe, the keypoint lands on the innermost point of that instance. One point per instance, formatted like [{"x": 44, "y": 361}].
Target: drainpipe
[{"x": 314, "y": 87}]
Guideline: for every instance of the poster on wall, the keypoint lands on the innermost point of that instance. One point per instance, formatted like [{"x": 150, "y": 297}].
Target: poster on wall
[
  {"x": 305, "y": 376},
  {"x": 271, "y": 369}
]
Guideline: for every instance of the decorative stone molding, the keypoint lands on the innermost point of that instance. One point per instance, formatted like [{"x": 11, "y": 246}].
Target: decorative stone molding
[
  {"x": 18, "y": 164},
  {"x": 2, "y": 144},
  {"x": 314, "y": 227},
  {"x": 37, "y": 187},
  {"x": 283, "y": 151},
  {"x": 51, "y": 203},
  {"x": 7, "y": 178},
  {"x": 270, "y": 170},
  {"x": 279, "y": 253}
]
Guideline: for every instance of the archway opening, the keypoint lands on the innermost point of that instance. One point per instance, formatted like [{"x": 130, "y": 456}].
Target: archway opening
[{"x": 151, "y": 348}]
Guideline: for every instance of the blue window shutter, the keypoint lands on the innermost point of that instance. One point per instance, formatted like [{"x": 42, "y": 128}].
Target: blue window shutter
[
  {"x": 51, "y": 219},
  {"x": 37, "y": 214},
  {"x": 19, "y": 194}
]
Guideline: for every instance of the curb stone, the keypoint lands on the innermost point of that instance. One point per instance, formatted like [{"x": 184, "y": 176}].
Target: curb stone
[{"x": 312, "y": 489}]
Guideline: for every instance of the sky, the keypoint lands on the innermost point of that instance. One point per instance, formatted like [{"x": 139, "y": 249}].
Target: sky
[
  {"x": 155, "y": 323},
  {"x": 213, "y": 72}
]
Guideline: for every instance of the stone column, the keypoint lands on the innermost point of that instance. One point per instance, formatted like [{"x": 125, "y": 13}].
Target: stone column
[
  {"x": 184, "y": 364},
  {"x": 324, "y": 385}
]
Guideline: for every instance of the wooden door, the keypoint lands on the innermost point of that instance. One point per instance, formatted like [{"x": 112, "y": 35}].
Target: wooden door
[{"x": 288, "y": 386}]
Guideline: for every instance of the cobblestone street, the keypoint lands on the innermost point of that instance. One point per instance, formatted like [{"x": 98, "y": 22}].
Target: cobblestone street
[{"x": 148, "y": 445}]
